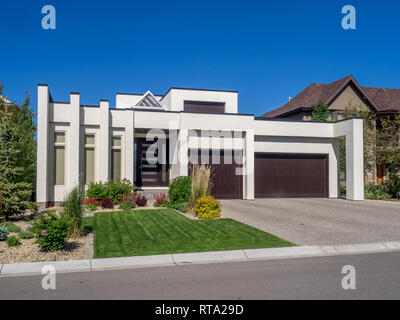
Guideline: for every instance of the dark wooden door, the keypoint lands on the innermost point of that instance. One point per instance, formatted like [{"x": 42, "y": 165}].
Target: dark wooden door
[
  {"x": 148, "y": 173},
  {"x": 290, "y": 175},
  {"x": 226, "y": 175}
]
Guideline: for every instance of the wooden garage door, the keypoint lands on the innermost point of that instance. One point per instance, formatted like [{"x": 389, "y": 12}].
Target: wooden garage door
[
  {"x": 227, "y": 184},
  {"x": 290, "y": 175}
]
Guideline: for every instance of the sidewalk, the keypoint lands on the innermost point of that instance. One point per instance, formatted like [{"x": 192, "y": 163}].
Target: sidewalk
[{"x": 90, "y": 265}]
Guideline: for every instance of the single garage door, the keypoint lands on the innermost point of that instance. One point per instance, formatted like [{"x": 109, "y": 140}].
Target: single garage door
[
  {"x": 291, "y": 175},
  {"x": 227, "y": 184}
]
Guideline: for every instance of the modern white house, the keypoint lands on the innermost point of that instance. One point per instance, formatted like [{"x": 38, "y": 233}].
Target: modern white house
[{"x": 151, "y": 139}]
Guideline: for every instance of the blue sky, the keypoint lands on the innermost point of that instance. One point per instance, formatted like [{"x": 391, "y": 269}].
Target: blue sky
[{"x": 267, "y": 50}]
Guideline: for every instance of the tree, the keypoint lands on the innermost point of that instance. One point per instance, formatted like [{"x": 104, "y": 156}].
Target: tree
[
  {"x": 369, "y": 134},
  {"x": 17, "y": 157},
  {"x": 381, "y": 140},
  {"x": 320, "y": 112},
  {"x": 387, "y": 142}
]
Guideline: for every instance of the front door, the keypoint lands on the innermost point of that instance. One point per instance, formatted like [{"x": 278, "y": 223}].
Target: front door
[{"x": 152, "y": 169}]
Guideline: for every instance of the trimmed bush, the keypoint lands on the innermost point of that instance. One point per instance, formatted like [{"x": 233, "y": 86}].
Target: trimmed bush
[
  {"x": 97, "y": 191},
  {"x": 51, "y": 232},
  {"x": 3, "y": 232},
  {"x": 127, "y": 205},
  {"x": 25, "y": 235},
  {"x": 140, "y": 200},
  {"x": 377, "y": 192},
  {"x": 11, "y": 227},
  {"x": 161, "y": 200},
  {"x": 207, "y": 207},
  {"x": 117, "y": 189},
  {"x": 180, "y": 189},
  {"x": 13, "y": 241},
  {"x": 107, "y": 203}
]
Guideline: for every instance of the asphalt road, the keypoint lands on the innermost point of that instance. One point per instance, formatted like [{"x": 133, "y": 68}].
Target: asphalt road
[
  {"x": 377, "y": 277},
  {"x": 319, "y": 221}
]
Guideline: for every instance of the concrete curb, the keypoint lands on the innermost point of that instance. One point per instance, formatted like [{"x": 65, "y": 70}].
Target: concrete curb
[{"x": 90, "y": 265}]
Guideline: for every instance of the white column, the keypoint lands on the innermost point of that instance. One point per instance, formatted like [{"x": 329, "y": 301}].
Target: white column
[
  {"x": 248, "y": 178},
  {"x": 355, "y": 161},
  {"x": 74, "y": 141},
  {"x": 183, "y": 152},
  {"x": 129, "y": 144},
  {"x": 43, "y": 145},
  {"x": 104, "y": 141}
]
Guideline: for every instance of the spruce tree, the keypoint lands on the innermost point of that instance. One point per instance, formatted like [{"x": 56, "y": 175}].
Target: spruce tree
[{"x": 15, "y": 169}]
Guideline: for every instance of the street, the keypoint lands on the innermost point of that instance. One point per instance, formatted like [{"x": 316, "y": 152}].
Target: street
[{"x": 377, "y": 277}]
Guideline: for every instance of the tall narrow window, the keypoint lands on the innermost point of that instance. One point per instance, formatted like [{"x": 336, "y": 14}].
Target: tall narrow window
[
  {"x": 59, "y": 158},
  {"x": 90, "y": 144},
  {"x": 116, "y": 145}
]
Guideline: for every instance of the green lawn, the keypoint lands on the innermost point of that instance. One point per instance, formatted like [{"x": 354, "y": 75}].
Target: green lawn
[{"x": 162, "y": 231}]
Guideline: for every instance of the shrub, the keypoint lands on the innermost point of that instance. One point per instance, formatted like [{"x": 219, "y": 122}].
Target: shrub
[
  {"x": 51, "y": 232},
  {"x": 207, "y": 207},
  {"x": 93, "y": 201},
  {"x": 161, "y": 200},
  {"x": 372, "y": 191},
  {"x": 140, "y": 200},
  {"x": 117, "y": 189},
  {"x": 180, "y": 189},
  {"x": 13, "y": 241},
  {"x": 25, "y": 235},
  {"x": 182, "y": 207},
  {"x": 342, "y": 189},
  {"x": 3, "y": 233},
  {"x": 73, "y": 211},
  {"x": 107, "y": 203},
  {"x": 393, "y": 185},
  {"x": 91, "y": 207},
  {"x": 201, "y": 182},
  {"x": 11, "y": 227},
  {"x": 97, "y": 191},
  {"x": 127, "y": 205}
]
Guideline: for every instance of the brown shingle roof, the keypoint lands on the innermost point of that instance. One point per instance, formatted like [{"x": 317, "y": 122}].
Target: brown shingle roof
[{"x": 380, "y": 99}]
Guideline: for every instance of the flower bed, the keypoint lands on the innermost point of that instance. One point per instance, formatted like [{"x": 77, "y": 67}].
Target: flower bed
[{"x": 29, "y": 251}]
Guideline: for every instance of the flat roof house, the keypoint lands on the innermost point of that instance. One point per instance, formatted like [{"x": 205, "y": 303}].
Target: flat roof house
[{"x": 151, "y": 139}]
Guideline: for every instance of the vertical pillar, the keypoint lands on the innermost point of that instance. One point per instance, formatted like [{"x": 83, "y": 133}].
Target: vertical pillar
[
  {"x": 74, "y": 141},
  {"x": 183, "y": 152},
  {"x": 355, "y": 161},
  {"x": 104, "y": 141},
  {"x": 43, "y": 145},
  {"x": 248, "y": 193},
  {"x": 129, "y": 144}
]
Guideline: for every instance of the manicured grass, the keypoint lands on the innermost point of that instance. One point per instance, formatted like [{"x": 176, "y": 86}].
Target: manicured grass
[{"x": 162, "y": 231}]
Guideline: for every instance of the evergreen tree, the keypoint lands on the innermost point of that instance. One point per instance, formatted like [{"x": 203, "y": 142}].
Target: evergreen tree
[
  {"x": 320, "y": 112},
  {"x": 17, "y": 157}
]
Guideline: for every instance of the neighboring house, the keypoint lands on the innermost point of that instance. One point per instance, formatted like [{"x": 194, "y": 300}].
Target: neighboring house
[
  {"x": 337, "y": 96},
  {"x": 251, "y": 157}
]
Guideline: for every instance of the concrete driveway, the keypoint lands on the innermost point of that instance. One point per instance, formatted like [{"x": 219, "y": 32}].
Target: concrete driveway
[{"x": 319, "y": 221}]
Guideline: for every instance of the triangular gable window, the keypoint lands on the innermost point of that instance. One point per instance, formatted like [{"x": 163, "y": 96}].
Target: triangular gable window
[{"x": 148, "y": 100}]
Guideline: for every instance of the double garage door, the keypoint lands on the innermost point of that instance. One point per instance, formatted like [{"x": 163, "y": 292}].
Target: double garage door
[{"x": 275, "y": 176}]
